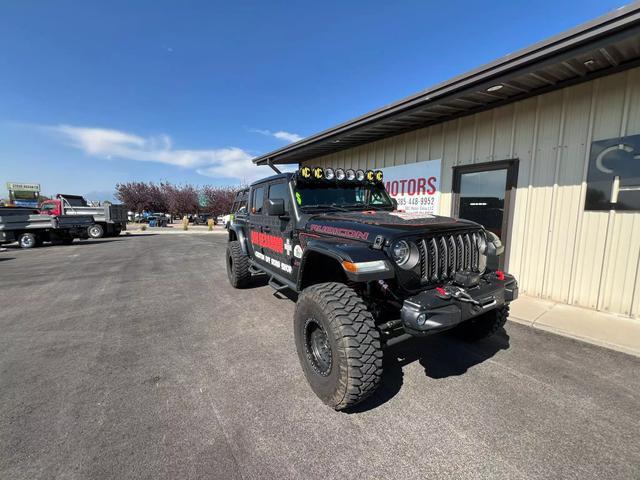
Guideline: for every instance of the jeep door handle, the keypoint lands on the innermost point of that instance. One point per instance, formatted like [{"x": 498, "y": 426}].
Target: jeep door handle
[{"x": 266, "y": 229}]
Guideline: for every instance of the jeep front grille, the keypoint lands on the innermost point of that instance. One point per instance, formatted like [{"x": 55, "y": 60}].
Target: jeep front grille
[{"x": 444, "y": 255}]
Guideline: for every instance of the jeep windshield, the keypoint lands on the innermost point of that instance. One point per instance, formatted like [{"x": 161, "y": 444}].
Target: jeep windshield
[{"x": 340, "y": 197}]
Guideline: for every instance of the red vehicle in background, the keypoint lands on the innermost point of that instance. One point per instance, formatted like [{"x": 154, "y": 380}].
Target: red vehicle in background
[{"x": 108, "y": 219}]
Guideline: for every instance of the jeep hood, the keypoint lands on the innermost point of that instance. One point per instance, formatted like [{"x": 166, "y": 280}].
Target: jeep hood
[{"x": 384, "y": 223}]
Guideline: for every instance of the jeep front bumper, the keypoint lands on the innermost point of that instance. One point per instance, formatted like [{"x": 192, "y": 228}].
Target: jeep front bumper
[{"x": 436, "y": 310}]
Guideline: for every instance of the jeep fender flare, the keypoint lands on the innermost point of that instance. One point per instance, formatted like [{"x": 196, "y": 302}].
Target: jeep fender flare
[
  {"x": 350, "y": 252},
  {"x": 240, "y": 236}
]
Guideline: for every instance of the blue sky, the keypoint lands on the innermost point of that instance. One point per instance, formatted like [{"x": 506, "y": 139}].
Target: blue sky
[{"x": 95, "y": 93}]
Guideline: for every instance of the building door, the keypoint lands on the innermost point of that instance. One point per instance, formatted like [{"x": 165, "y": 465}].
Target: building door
[{"x": 483, "y": 193}]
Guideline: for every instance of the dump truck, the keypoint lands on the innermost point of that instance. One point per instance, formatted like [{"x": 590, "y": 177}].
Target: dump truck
[{"x": 109, "y": 219}]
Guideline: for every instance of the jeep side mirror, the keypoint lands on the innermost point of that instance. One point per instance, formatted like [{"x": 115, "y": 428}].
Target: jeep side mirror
[{"x": 275, "y": 207}]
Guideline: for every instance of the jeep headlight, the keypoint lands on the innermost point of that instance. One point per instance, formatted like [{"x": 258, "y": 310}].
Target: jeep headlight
[{"x": 405, "y": 254}]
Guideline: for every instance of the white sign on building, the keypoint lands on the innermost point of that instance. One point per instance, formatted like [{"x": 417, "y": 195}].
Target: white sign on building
[{"x": 416, "y": 186}]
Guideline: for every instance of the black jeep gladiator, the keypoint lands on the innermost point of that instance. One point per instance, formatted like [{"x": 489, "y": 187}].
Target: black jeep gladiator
[{"x": 367, "y": 275}]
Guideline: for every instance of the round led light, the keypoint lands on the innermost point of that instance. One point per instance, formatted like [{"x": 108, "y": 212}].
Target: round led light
[
  {"x": 370, "y": 175},
  {"x": 305, "y": 172},
  {"x": 329, "y": 174},
  {"x": 340, "y": 174},
  {"x": 379, "y": 175},
  {"x": 360, "y": 175},
  {"x": 400, "y": 252},
  {"x": 351, "y": 175},
  {"x": 318, "y": 173},
  {"x": 422, "y": 319}
]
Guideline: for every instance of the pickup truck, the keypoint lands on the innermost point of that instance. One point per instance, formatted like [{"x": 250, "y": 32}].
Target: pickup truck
[
  {"x": 30, "y": 228},
  {"x": 109, "y": 220}
]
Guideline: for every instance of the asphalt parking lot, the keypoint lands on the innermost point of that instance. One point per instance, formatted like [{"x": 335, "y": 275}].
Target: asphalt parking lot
[{"x": 134, "y": 358}]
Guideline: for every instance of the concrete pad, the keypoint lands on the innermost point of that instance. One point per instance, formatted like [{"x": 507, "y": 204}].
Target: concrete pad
[
  {"x": 527, "y": 310},
  {"x": 604, "y": 329}
]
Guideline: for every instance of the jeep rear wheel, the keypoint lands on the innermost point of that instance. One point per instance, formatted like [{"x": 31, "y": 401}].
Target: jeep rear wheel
[
  {"x": 237, "y": 265},
  {"x": 338, "y": 344},
  {"x": 483, "y": 325}
]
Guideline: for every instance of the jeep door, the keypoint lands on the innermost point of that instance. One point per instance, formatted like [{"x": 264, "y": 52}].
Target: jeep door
[
  {"x": 279, "y": 231},
  {"x": 256, "y": 221}
]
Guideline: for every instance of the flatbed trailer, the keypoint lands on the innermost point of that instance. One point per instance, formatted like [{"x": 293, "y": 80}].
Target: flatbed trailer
[{"x": 30, "y": 228}]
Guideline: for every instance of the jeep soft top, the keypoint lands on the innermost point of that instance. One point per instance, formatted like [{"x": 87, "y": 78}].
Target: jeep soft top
[{"x": 367, "y": 275}]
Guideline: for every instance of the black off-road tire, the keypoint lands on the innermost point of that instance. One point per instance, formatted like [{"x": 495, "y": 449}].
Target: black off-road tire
[
  {"x": 484, "y": 325},
  {"x": 355, "y": 367},
  {"x": 237, "y": 265}
]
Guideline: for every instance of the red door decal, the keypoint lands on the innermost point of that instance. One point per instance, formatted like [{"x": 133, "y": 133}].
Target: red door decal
[{"x": 270, "y": 242}]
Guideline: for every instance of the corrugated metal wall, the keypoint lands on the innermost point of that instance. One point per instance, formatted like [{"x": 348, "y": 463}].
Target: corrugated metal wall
[{"x": 557, "y": 250}]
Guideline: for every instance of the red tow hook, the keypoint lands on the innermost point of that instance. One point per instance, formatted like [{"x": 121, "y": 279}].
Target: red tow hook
[
  {"x": 500, "y": 275},
  {"x": 442, "y": 293}
]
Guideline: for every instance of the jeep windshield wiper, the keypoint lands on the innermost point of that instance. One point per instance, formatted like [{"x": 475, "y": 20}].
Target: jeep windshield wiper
[
  {"x": 367, "y": 205},
  {"x": 330, "y": 205}
]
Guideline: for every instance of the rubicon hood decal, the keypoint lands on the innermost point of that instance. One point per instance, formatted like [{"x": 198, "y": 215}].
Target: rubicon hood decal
[{"x": 339, "y": 232}]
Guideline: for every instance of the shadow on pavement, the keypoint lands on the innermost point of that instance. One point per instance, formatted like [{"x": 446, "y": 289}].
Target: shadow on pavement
[{"x": 442, "y": 356}]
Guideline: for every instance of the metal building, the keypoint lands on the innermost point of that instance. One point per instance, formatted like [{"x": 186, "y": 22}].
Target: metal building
[{"x": 556, "y": 124}]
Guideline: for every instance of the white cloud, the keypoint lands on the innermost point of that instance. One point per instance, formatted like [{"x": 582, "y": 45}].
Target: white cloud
[
  {"x": 230, "y": 162},
  {"x": 280, "y": 135}
]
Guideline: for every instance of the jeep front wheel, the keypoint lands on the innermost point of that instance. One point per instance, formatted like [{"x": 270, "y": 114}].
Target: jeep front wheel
[
  {"x": 484, "y": 325},
  {"x": 237, "y": 265},
  {"x": 338, "y": 344}
]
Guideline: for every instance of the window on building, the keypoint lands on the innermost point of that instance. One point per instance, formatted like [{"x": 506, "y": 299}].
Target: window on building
[
  {"x": 613, "y": 179},
  {"x": 257, "y": 200}
]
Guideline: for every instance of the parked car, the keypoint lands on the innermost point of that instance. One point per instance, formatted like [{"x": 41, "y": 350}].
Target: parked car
[{"x": 203, "y": 219}]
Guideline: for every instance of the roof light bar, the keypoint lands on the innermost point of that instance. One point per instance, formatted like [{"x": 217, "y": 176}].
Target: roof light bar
[
  {"x": 329, "y": 174},
  {"x": 340, "y": 174}
]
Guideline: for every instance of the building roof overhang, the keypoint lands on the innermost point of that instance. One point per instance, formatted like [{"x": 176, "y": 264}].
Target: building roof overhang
[{"x": 606, "y": 45}]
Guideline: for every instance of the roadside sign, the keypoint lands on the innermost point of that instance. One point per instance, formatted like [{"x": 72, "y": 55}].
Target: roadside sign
[
  {"x": 23, "y": 187},
  {"x": 416, "y": 186}
]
